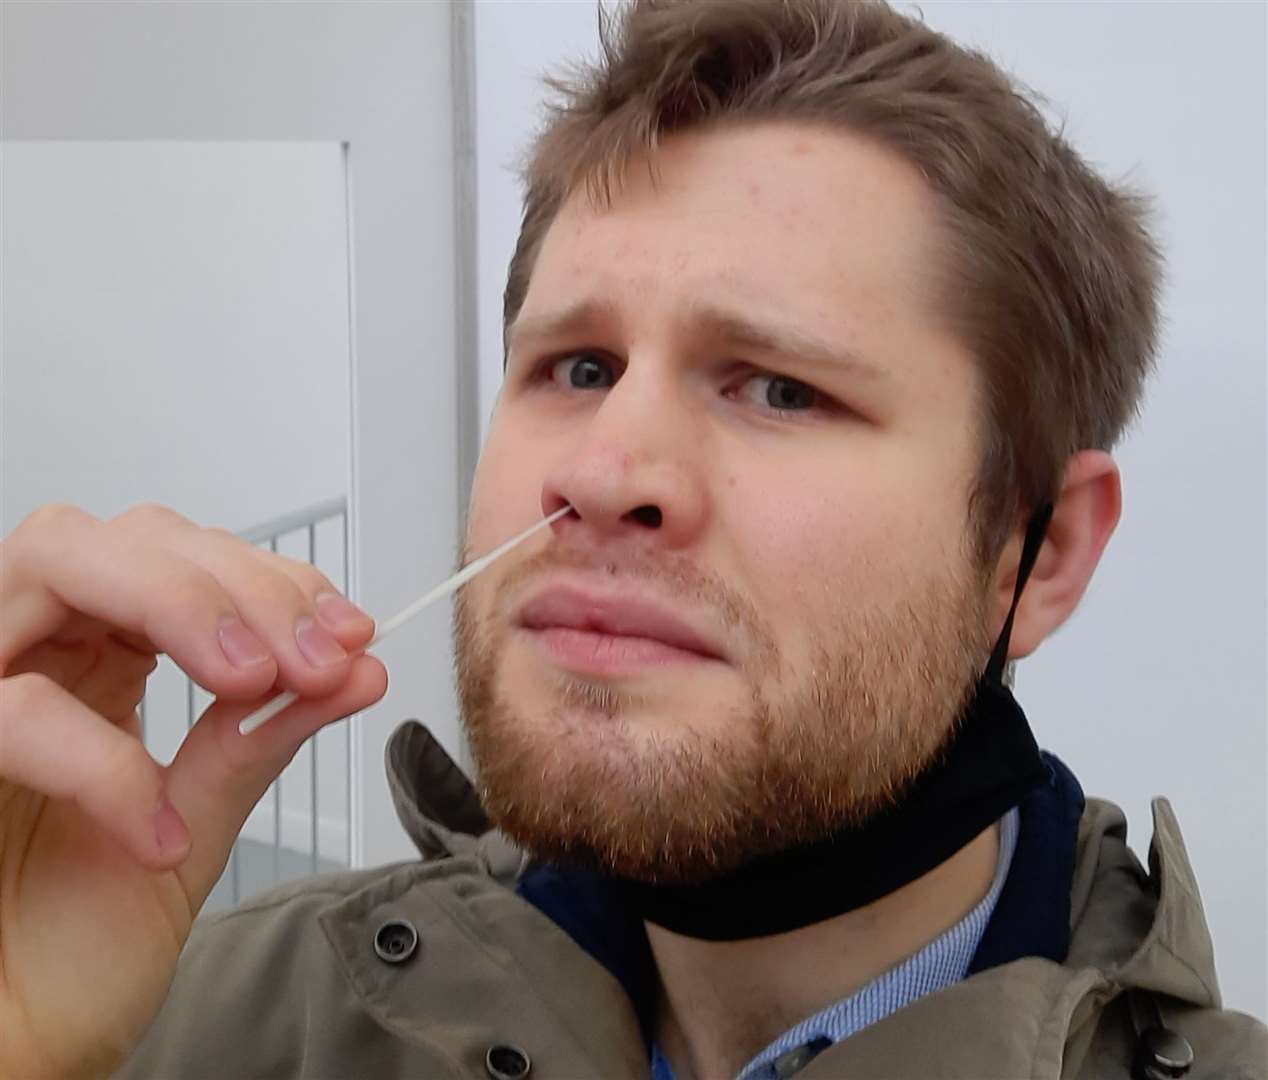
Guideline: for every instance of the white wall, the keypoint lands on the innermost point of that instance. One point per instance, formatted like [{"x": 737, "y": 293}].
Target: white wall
[
  {"x": 176, "y": 327},
  {"x": 176, "y": 331},
  {"x": 375, "y": 79},
  {"x": 1157, "y": 685}
]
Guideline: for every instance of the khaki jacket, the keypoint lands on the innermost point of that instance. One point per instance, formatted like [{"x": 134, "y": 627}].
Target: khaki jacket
[{"x": 291, "y": 984}]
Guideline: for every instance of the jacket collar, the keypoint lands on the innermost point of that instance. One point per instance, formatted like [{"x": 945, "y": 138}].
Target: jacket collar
[
  {"x": 1144, "y": 930},
  {"x": 438, "y": 807}
]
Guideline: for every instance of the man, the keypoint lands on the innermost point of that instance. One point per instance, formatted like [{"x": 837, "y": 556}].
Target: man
[{"x": 824, "y": 339}]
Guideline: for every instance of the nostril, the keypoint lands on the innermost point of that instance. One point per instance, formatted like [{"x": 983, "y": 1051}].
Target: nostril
[
  {"x": 554, "y": 503},
  {"x": 647, "y": 515}
]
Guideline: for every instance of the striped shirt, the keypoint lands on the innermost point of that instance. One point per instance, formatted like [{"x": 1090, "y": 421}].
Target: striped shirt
[{"x": 942, "y": 962}]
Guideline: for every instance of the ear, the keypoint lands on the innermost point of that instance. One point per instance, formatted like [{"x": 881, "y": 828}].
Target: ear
[{"x": 1083, "y": 519}]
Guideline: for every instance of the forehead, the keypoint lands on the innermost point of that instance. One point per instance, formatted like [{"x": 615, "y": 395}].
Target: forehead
[{"x": 828, "y": 230}]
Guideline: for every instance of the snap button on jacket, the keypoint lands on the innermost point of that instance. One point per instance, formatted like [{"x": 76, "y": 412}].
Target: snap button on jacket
[{"x": 396, "y": 941}]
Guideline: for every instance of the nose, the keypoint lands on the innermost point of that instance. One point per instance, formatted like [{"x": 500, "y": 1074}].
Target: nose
[{"x": 635, "y": 470}]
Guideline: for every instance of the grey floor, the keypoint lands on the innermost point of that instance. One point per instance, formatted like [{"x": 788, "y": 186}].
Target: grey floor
[{"x": 257, "y": 871}]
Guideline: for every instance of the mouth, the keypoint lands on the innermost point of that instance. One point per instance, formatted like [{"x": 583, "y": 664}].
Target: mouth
[{"x": 612, "y": 633}]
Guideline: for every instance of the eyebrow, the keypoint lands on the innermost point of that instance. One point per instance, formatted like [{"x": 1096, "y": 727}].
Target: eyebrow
[{"x": 721, "y": 323}]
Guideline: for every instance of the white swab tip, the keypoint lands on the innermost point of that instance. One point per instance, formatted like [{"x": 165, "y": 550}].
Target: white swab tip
[{"x": 266, "y": 712}]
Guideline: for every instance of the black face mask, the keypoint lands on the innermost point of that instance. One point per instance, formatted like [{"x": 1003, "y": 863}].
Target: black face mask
[{"x": 988, "y": 765}]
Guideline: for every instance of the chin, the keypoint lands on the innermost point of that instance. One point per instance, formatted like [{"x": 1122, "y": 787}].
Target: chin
[{"x": 590, "y": 777}]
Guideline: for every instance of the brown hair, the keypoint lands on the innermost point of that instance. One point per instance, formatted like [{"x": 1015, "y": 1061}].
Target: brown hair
[{"x": 1055, "y": 276}]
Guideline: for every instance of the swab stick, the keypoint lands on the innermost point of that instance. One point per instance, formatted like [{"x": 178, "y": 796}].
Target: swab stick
[{"x": 289, "y": 697}]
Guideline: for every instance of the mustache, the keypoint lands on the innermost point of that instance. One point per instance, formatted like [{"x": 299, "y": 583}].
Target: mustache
[{"x": 675, "y": 577}]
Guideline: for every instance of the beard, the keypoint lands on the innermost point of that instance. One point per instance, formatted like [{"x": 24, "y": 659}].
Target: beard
[{"x": 585, "y": 777}]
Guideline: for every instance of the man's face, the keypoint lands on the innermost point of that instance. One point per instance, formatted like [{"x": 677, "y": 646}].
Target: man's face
[{"x": 738, "y": 378}]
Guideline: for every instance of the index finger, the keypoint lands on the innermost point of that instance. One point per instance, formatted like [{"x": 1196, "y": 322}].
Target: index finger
[{"x": 70, "y": 561}]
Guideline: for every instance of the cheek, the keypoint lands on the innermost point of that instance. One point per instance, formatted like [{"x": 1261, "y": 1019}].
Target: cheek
[
  {"x": 810, "y": 550},
  {"x": 506, "y": 490}
]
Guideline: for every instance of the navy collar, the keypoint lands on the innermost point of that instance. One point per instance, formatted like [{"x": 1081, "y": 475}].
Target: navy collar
[{"x": 1031, "y": 917}]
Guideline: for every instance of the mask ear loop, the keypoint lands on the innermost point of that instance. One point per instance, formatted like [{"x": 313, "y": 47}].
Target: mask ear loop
[{"x": 1035, "y": 533}]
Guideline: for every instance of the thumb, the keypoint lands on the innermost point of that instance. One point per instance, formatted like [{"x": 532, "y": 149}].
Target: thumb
[{"x": 219, "y": 774}]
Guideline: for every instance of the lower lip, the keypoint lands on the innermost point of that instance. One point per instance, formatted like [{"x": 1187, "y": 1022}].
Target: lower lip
[{"x": 609, "y": 654}]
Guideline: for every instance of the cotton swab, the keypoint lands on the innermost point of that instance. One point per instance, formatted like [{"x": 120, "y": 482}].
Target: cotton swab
[{"x": 289, "y": 697}]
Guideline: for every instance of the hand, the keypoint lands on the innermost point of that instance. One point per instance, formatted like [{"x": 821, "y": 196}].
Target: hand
[{"x": 106, "y": 856}]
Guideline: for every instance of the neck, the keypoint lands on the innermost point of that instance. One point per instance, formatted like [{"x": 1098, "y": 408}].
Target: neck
[{"x": 722, "y": 1002}]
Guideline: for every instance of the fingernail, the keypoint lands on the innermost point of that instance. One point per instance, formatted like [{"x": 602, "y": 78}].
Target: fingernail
[
  {"x": 169, "y": 830},
  {"x": 241, "y": 647},
  {"x": 318, "y": 647},
  {"x": 336, "y": 612}
]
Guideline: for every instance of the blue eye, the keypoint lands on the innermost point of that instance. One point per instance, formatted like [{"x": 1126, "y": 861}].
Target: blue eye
[
  {"x": 775, "y": 395},
  {"x": 587, "y": 372},
  {"x": 782, "y": 394}
]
